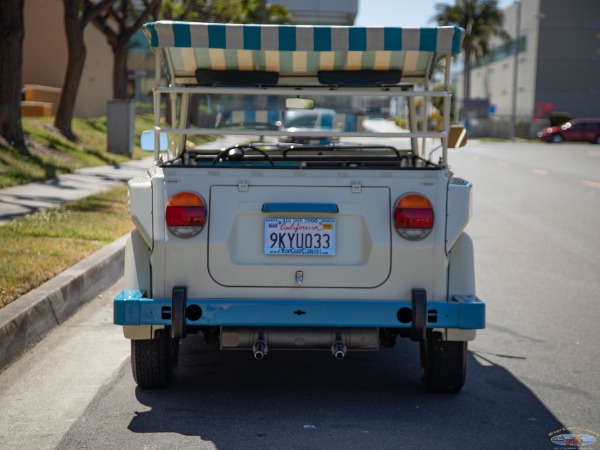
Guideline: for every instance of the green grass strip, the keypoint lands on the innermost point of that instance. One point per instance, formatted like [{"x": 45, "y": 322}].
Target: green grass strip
[{"x": 36, "y": 248}]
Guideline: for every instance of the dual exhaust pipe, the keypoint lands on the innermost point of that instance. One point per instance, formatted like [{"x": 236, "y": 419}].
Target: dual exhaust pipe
[
  {"x": 261, "y": 348},
  {"x": 338, "y": 350}
]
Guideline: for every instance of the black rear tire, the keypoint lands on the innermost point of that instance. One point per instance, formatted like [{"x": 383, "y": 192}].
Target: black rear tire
[
  {"x": 443, "y": 365},
  {"x": 154, "y": 361}
]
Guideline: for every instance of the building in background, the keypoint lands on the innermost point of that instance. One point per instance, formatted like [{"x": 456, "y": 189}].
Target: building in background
[
  {"x": 45, "y": 56},
  {"x": 557, "y": 70},
  {"x": 318, "y": 12}
]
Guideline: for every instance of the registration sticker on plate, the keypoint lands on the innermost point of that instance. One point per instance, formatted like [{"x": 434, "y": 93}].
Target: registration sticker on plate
[{"x": 299, "y": 237}]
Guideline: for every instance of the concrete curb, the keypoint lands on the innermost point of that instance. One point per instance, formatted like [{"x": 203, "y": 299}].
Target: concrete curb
[{"x": 25, "y": 322}]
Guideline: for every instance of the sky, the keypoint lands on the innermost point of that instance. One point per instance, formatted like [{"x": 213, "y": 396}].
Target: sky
[{"x": 402, "y": 13}]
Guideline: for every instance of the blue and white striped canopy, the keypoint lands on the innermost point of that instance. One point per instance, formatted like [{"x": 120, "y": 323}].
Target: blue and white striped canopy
[{"x": 300, "y": 50}]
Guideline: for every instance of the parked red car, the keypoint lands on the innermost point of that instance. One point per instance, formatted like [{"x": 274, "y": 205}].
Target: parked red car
[{"x": 587, "y": 130}]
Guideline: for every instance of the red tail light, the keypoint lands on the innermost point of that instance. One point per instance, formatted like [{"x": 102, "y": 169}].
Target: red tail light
[
  {"x": 186, "y": 214},
  {"x": 413, "y": 216}
]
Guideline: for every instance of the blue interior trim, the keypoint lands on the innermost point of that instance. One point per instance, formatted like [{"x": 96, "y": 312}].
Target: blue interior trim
[{"x": 330, "y": 208}]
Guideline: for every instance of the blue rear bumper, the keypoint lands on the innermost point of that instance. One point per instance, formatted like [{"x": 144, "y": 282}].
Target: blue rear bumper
[{"x": 463, "y": 312}]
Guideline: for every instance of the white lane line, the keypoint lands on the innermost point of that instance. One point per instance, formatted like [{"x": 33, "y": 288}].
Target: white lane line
[
  {"x": 540, "y": 172},
  {"x": 592, "y": 184}
]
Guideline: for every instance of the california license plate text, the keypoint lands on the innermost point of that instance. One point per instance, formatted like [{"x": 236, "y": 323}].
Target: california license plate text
[{"x": 299, "y": 236}]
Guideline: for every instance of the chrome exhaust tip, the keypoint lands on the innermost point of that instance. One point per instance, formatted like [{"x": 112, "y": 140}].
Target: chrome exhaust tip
[
  {"x": 339, "y": 349},
  {"x": 260, "y": 348}
]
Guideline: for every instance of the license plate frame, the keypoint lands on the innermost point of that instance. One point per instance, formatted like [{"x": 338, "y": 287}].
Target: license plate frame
[{"x": 299, "y": 236}]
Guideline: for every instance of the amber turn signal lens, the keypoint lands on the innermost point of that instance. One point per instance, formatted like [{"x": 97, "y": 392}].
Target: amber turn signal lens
[
  {"x": 186, "y": 214},
  {"x": 413, "y": 216}
]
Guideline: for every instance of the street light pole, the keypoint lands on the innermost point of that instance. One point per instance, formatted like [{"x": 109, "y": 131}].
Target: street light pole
[
  {"x": 263, "y": 8},
  {"x": 513, "y": 116}
]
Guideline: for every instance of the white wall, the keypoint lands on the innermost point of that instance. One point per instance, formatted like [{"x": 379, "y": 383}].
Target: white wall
[{"x": 45, "y": 57}]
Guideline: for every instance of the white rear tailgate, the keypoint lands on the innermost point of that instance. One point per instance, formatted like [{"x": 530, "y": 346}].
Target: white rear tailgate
[{"x": 237, "y": 256}]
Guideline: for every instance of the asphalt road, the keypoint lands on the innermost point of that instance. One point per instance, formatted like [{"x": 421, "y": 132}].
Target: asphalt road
[{"x": 532, "y": 372}]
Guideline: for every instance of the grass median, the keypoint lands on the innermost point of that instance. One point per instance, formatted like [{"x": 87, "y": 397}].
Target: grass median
[{"x": 36, "y": 248}]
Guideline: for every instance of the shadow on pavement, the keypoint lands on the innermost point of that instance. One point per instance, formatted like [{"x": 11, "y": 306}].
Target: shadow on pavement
[{"x": 368, "y": 400}]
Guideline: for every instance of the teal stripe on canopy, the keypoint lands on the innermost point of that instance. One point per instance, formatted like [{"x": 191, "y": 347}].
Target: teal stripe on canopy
[
  {"x": 216, "y": 36},
  {"x": 287, "y": 38},
  {"x": 392, "y": 39},
  {"x": 428, "y": 39},
  {"x": 357, "y": 39},
  {"x": 251, "y": 38},
  {"x": 182, "y": 37},
  {"x": 322, "y": 39}
]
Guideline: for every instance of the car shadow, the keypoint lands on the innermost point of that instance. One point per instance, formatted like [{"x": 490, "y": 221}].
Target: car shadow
[{"x": 367, "y": 400}]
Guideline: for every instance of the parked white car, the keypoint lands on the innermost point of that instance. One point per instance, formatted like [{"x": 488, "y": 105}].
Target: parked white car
[
  {"x": 269, "y": 246},
  {"x": 298, "y": 121}
]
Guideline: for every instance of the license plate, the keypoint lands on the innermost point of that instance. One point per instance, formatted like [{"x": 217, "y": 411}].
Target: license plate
[{"x": 299, "y": 237}]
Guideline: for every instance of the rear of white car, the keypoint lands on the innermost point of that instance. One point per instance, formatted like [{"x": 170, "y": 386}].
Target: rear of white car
[
  {"x": 298, "y": 120},
  {"x": 264, "y": 246}
]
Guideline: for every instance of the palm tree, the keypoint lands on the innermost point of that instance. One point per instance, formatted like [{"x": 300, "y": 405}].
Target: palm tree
[{"x": 481, "y": 20}]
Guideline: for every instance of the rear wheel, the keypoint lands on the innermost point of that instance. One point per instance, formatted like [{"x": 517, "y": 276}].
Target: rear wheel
[
  {"x": 597, "y": 140},
  {"x": 443, "y": 364},
  {"x": 556, "y": 139},
  {"x": 154, "y": 361}
]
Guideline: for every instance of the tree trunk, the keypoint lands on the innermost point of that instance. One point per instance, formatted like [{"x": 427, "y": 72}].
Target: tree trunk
[
  {"x": 75, "y": 65},
  {"x": 120, "y": 75},
  {"x": 12, "y": 31},
  {"x": 467, "y": 76}
]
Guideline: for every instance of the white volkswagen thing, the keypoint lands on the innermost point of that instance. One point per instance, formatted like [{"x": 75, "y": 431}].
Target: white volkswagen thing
[{"x": 339, "y": 235}]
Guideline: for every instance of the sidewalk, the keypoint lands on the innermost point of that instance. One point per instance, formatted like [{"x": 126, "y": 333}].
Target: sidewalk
[
  {"x": 21, "y": 200},
  {"x": 26, "y": 321}
]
